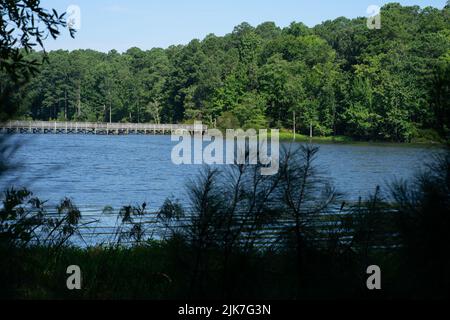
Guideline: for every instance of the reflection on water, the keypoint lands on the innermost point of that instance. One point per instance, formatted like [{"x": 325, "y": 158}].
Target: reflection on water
[{"x": 117, "y": 170}]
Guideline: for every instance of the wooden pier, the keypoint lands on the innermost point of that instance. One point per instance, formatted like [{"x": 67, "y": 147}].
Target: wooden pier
[{"x": 57, "y": 127}]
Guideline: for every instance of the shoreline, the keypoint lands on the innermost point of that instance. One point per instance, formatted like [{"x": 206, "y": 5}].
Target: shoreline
[
  {"x": 345, "y": 140},
  {"x": 287, "y": 136}
]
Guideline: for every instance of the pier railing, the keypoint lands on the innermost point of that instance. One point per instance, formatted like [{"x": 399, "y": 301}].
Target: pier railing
[{"x": 18, "y": 126}]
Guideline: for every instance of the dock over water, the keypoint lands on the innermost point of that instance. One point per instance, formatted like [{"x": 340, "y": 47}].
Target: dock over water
[{"x": 58, "y": 127}]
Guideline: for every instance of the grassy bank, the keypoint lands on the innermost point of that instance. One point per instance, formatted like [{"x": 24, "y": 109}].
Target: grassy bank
[
  {"x": 289, "y": 136},
  {"x": 165, "y": 270},
  {"x": 427, "y": 141}
]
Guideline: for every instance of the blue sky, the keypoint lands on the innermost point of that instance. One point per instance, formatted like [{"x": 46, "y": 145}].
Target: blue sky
[{"x": 121, "y": 24}]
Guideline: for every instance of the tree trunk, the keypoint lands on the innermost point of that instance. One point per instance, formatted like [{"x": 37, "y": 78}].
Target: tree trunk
[
  {"x": 79, "y": 100},
  {"x": 65, "y": 104}
]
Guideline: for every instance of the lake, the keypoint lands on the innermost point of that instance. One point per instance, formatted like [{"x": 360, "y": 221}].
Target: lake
[{"x": 96, "y": 170}]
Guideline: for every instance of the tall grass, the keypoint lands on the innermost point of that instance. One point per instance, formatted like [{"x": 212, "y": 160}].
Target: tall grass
[{"x": 243, "y": 235}]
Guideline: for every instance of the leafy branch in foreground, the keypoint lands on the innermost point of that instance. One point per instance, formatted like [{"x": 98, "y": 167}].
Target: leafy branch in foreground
[
  {"x": 25, "y": 221},
  {"x": 24, "y": 24}
]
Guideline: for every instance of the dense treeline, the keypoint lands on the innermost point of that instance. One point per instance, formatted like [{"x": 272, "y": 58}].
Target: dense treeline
[{"x": 340, "y": 77}]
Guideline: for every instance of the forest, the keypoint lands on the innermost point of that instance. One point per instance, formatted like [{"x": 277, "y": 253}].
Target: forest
[
  {"x": 240, "y": 235},
  {"x": 339, "y": 78}
]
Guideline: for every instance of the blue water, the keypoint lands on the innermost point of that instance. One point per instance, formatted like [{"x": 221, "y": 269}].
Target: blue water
[{"x": 96, "y": 171}]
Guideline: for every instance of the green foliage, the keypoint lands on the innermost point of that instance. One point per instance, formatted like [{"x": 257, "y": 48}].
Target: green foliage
[
  {"x": 250, "y": 111},
  {"x": 339, "y": 77},
  {"x": 24, "y": 25},
  {"x": 227, "y": 120},
  {"x": 423, "y": 221},
  {"x": 24, "y": 220}
]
